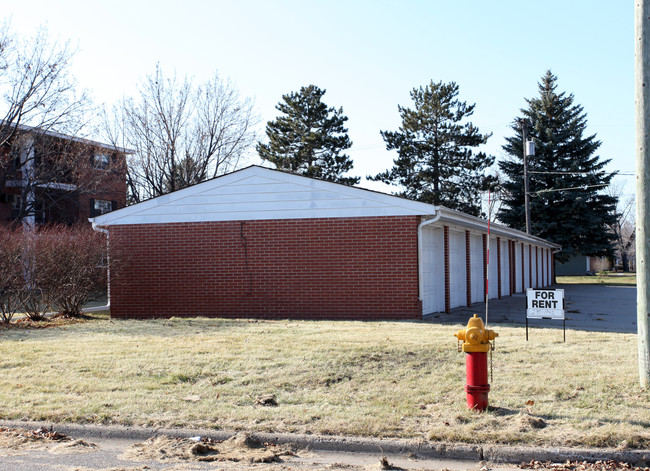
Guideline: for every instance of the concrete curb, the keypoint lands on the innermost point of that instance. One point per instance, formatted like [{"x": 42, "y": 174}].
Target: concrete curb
[
  {"x": 521, "y": 454},
  {"x": 415, "y": 448}
]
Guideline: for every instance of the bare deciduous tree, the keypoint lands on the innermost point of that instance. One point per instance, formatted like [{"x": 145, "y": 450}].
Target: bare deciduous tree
[
  {"x": 43, "y": 157},
  {"x": 37, "y": 89},
  {"x": 624, "y": 226},
  {"x": 181, "y": 133}
]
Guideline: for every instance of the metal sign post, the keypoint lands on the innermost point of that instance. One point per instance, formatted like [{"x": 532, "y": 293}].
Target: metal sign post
[{"x": 545, "y": 304}]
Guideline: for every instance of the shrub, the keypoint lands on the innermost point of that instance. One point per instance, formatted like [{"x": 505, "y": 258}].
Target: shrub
[
  {"x": 73, "y": 267},
  {"x": 11, "y": 275},
  {"x": 35, "y": 294},
  {"x": 55, "y": 267}
]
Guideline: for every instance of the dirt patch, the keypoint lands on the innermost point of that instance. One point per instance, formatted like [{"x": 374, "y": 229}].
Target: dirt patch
[
  {"x": 241, "y": 447},
  {"x": 383, "y": 465},
  {"x": 17, "y": 441},
  {"x": 266, "y": 400},
  {"x": 57, "y": 320},
  {"x": 73, "y": 447},
  {"x": 12, "y": 441},
  {"x": 528, "y": 421}
]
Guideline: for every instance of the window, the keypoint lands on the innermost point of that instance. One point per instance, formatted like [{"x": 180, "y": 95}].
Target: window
[
  {"x": 40, "y": 215},
  {"x": 16, "y": 205},
  {"x": 102, "y": 161},
  {"x": 100, "y": 207},
  {"x": 15, "y": 159}
]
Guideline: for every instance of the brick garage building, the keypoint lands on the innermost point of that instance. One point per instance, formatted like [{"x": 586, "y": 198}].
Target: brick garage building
[{"x": 265, "y": 243}]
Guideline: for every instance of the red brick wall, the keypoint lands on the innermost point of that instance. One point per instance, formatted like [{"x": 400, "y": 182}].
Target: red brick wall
[
  {"x": 347, "y": 268},
  {"x": 445, "y": 244},
  {"x": 499, "y": 267},
  {"x": 468, "y": 269},
  {"x": 485, "y": 266}
]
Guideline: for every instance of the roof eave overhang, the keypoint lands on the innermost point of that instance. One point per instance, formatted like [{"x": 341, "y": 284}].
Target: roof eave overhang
[
  {"x": 450, "y": 216},
  {"x": 49, "y": 133},
  {"x": 401, "y": 206}
]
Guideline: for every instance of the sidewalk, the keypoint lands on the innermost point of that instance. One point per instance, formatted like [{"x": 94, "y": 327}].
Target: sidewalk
[{"x": 587, "y": 307}]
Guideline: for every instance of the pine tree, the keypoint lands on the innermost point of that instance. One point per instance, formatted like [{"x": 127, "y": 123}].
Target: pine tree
[
  {"x": 436, "y": 163},
  {"x": 309, "y": 137},
  {"x": 566, "y": 178}
]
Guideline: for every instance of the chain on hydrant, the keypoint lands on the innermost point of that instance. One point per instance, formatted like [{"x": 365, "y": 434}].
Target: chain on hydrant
[{"x": 476, "y": 343}]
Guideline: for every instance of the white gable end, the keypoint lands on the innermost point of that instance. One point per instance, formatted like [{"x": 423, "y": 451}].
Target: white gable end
[{"x": 257, "y": 193}]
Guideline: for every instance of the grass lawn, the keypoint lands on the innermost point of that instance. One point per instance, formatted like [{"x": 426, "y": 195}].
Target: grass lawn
[
  {"x": 628, "y": 279},
  {"x": 381, "y": 379}
]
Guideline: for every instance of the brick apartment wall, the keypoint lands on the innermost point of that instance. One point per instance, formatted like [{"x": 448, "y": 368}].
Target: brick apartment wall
[
  {"x": 111, "y": 188},
  {"x": 347, "y": 268},
  {"x": 5, "y": 213},
  {"x": 75, "y": 206}
]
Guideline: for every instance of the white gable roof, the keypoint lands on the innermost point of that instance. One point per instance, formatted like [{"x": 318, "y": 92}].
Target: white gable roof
[{"x": 256, "y": 193}]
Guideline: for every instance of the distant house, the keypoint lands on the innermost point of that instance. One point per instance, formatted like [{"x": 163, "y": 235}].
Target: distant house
[
  {"x": 266, "y": 243},
  {"x": 47, "y": 177},
  {"x": 576, "y": 265},
  {"x": 588, "y": 265}
]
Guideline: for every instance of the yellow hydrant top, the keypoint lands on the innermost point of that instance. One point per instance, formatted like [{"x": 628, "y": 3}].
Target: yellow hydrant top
[{"x": 476, "y": 338}]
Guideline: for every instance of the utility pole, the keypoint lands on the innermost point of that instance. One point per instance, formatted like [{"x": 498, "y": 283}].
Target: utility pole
[
  {"x": 524, "y": 132},
  {"x": 642, "y": 103}
]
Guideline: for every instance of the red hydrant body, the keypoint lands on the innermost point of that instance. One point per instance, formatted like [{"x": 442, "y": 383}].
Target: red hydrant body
[
  {"x": 477, "y": 386},
  {"x": 476, "y": 343}
]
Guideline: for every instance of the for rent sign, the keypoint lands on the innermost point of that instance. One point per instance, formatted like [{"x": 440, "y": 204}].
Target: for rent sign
[{"x": 545, "y": 303}]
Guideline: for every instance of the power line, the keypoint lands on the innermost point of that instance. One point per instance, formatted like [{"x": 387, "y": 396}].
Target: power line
[
  {"x": 367, "y": 147},
  {"x": 581, "y": 173},
  {"x": 583, "y": 187},
  {"x": 498, "y": 125}
]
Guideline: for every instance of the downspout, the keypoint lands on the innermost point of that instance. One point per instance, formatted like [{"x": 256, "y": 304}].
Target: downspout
[
  {"x": 108, "y": 272},
  {"x": 420, "y": 269}
]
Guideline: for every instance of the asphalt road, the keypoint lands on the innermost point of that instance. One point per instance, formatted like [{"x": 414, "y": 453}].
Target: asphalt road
[
  {"x": 108, "y": 456},
  {"x": 587, "y": 307}
]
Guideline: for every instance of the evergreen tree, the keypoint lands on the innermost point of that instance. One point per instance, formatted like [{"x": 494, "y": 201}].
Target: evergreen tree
[
  {"x": 566, "y": 178},
  {"x": 436, "y": 163},
  {"x": 309, "y": 137}
]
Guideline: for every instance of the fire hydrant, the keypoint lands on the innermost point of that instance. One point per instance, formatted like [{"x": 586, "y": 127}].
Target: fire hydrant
[{"x": 476, "y": 343}]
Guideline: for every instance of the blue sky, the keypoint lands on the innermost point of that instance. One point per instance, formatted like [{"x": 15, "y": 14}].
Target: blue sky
[{"x": 368, "y": 55}]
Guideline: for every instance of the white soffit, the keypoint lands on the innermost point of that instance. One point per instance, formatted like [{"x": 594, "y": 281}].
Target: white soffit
[
  {"x": 257, "y": 193},
  {"x": 466, "y": 221}
]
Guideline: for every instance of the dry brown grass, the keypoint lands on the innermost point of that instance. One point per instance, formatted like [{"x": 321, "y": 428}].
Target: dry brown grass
[
  {"x": 20, "y": 441},
  {"x": 383, "y": 379},
  {"x": 241, "y": 447}
]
